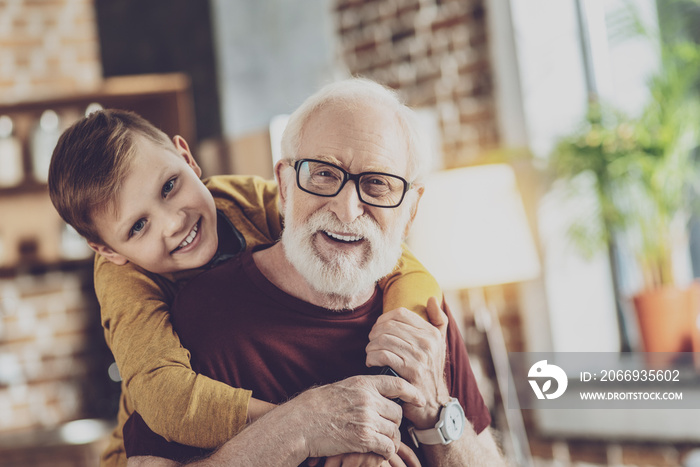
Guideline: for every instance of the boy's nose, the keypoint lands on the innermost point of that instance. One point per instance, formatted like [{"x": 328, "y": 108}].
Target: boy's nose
[
  {"x": 347, "y": 205},
  {"x": 174, "y": 223}
]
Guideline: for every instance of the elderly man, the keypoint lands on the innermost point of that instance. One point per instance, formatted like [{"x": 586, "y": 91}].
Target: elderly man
[{"x": 306, "y": 311}]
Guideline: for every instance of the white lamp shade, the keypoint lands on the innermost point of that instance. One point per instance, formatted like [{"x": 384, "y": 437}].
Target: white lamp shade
[{"x": 471, "y": 229}]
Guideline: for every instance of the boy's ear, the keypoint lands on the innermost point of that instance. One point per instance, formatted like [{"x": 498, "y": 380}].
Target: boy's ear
[
  {"x": 184, "y": 150},
  {"x": 108, "y": 253}
]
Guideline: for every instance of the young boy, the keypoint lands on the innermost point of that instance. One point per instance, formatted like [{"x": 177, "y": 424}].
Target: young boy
[{"x": 137, "y": 198}]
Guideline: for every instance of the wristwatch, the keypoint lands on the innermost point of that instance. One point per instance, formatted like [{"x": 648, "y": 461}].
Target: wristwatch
[{"x": 448, "y": 428}]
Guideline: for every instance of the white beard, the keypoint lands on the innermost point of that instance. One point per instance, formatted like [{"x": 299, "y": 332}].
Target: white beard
[{"x": 344, "y": 275}]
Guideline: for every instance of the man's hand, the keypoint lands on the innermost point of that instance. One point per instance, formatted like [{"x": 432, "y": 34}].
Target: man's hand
[
  {"x": 415, "y": 349},
  {"x": 353, "y": 415},
  {"x": 404, "y": 458}
]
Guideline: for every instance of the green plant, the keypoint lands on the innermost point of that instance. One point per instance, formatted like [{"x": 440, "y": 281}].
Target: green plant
[{"x": 643, "y": 168}]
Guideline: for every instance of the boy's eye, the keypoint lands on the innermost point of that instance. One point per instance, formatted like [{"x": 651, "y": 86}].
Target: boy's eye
[
  {"x": 137, "y": 227},
  {"x": 168, "y": 187}
]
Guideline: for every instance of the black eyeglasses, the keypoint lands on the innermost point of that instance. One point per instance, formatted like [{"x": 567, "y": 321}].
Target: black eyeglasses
[{"x": 374, "y": 188}]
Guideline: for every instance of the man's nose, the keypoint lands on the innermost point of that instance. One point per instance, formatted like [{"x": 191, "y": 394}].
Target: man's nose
[{"x": 347, "y": 205}]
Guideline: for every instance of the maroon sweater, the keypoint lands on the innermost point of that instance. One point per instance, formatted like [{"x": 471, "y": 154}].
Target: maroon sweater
[{"x": 244, "y": 331}]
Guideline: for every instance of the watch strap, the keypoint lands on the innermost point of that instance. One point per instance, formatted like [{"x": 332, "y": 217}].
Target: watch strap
[{"x": 428, "y": 436}]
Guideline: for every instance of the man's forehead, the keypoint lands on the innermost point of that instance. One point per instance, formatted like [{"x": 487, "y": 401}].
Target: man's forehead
[
  {"x": 363, "y": 137},
  {"x": 367, "y": 167}
]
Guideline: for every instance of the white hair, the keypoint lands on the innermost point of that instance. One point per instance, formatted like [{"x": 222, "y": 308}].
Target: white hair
[{"x": 351, "y": 93}]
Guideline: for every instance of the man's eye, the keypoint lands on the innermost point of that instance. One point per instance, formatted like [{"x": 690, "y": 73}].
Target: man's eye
[
  {"x": 326, "y": 173},
  {"x": 168, "y": 187},
  {"x": 378, "y": 182},
  {"x": 137, "y": 227}
]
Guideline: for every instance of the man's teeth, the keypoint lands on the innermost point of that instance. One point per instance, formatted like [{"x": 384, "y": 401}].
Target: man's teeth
[
  {"x": 189, "y": 238},
  {"x": 343, "y": 238}
]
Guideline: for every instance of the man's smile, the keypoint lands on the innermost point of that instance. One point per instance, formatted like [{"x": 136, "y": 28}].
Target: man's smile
[{"x": 344, "y": 238}]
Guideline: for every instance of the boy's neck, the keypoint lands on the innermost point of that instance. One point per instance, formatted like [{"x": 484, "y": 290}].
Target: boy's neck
[{"x": 230, "y": 241}]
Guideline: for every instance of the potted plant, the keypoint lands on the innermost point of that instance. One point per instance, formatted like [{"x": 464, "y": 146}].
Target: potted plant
[{"x": 644, "y": 176}]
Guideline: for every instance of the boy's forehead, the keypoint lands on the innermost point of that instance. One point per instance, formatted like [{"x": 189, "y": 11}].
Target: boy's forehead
[
  {"x": 109, "y": 212},
  {"x": 143, "y": 146},
  {"x": 149, "y": 164}
]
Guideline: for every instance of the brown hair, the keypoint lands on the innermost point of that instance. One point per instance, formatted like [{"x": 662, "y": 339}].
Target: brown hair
[{"x": 90, "y": 162}]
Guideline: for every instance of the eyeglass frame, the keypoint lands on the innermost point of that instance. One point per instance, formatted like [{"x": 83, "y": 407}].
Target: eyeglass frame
[{"x": 295, "y": 164}]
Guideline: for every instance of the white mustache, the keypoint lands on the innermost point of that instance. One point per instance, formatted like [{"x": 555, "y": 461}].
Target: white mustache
[{"x": 364, "y": 226}]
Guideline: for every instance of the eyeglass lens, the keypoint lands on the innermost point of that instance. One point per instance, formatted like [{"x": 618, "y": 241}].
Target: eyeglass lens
[{"x": 327, "y": 180}]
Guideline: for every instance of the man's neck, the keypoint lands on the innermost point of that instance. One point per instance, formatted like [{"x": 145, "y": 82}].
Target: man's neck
[{"x": 274, "y": 265}]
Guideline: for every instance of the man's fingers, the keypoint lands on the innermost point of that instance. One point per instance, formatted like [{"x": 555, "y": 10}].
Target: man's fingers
[
  {"x": 367, "y": 459},
  {"x": 392, "y": 387},
  {"x": 395, "y": 461},
  {"x": 382, "y": 341},
  {"x": 436, "y": 316},
  {"x": 390, "y": 429},
  {"x": 381, "y": 358},
  {"x": 408, "y": 457},
  {"x": 335, "y": 461},
  {"x": 402, "y": 315}
]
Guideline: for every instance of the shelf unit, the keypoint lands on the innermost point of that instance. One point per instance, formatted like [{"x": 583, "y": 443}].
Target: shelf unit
[{"x": 26, "y": 214}]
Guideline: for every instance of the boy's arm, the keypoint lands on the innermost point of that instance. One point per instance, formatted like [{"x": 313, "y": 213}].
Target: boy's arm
[
  {"x": 410, "y": 285},
  {"x": 176, "y": 402}
]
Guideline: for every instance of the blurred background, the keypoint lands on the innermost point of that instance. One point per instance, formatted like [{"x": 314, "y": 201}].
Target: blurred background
[{"x": 565, "y": 135}]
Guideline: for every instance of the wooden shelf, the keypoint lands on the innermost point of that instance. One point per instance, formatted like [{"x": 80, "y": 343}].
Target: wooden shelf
[
  {"x": 27, "y": 186},
  {"x": 45, "y": 267}
]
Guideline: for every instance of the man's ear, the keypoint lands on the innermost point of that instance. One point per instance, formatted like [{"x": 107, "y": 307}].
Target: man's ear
[
  {"x": 282, "y": 182},
  {"x": 108, "y": 253},
  {"x": 414, "y": 209},
  {"x": 184, "y": 150}
]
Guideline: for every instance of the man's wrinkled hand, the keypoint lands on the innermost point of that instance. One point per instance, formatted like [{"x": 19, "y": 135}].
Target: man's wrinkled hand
[
  {"x": 355, "y": 415},
  {"x": 415, "y": 349}
]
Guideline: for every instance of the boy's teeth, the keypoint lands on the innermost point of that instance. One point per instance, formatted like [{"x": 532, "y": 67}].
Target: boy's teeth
[
  {"x": 190, "y": 237},
  {"x": 344, "y": 238}
]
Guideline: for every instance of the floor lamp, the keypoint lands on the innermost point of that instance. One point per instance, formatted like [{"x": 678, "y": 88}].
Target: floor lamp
[{"x": 471, "y": 232}]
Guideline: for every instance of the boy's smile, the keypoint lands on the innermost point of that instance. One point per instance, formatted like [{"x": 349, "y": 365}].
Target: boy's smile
[{"x": 164, "y": 218}]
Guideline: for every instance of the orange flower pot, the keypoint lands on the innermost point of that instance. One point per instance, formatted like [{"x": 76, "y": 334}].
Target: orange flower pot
[{"x": 666, "y": 317}]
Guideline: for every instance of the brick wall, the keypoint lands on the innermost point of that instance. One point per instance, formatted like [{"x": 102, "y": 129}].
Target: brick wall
[
  {"x": 47, "y": 47},
  {"x": 53, "y": 363},
  {"x": 435, "y": 52}
]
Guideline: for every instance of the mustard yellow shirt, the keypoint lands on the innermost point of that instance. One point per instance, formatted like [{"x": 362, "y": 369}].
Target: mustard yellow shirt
[{"x": 157, "y": 379}]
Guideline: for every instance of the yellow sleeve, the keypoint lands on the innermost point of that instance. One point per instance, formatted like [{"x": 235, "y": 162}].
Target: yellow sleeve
[
  {"x": 175, "y": 402},
  {"x": 250, "y": 203},
  {"x": 409, "y": 286}
]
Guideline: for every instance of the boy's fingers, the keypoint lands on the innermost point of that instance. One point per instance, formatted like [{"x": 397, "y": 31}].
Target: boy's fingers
[{"x": 436, "y": 316}]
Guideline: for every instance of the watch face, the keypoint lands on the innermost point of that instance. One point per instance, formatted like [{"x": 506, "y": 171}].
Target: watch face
[{"x": 454, "y": 421}]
